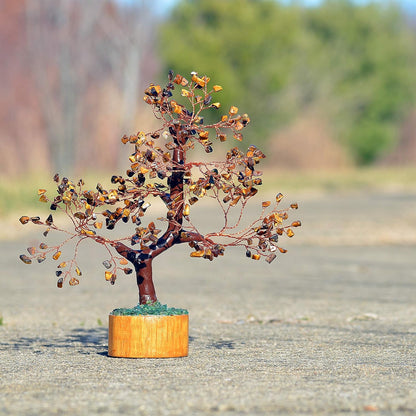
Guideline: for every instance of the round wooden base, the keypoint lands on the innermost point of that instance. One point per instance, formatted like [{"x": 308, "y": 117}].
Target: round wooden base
[{"x": 148, "y": 336}]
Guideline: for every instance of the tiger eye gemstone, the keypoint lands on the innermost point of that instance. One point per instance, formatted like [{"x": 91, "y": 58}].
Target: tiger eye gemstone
[
  {"x": 235, "y": 201},
  {"x": 24, "y": 220},
  {"x": 80, "y": 215},
  {"x": 255, "y": 256},
  {"x": 107, "y": 264},
  {"x": 265, "y": 204},
  {"x": 274, "y": 238},
  {"x": 25, "y": 259},
  {"x": 60, "y": 283},
  {"x": 289, "y": 232},
  {"x": 186, "y": 210},
  {"x": 62, "y": 265},
  {"x": 78, "y": 271},
  {"x": 40, "y": 259},
  {"x": 294, "y": 206},
  {"x": 270, "y": 258},
  {"x": 238, "y": 126},
  {"x": 31, "y": 250},
  {"x": 108, "y": 275},
  {"x": 279, "y": 197},
  {"x": 178, "y": 79},
  {"x": 199, "y": 81},
  {"x": 198, "y": 253},
  {"x": 128, "y": 270},
  {"x": 193, "y": 200},
  {"x": 233, "y": 110},
  {"x": 73, "y": 281},
  {"x": 217, "y": 88},
  {"x": 296, "y": 224},
  {"x": 153, "y": 90},
  {"x": 282, "y": 250},
  {"x": 35, "y": 220},
  {"x": 204, "y": 134},
  {"x": 57, "y": 255}
]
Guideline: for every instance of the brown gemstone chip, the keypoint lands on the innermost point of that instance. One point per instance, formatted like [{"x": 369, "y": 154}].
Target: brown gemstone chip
[
  {"x": 25, "y": 259},
  {"x": 31, "y": 250},
  {"x": 24, "y": 220},
  {"x": 107, "y": 264},
  {"x": 270, "y": 258},
  {"x": 57, "y": 255},
  {"x": 73, "y": 281},
  {"x": 198, "y": 253}
]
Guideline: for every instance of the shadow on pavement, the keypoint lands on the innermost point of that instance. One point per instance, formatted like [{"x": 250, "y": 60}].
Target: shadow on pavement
[{"x": 79, "y": 337}]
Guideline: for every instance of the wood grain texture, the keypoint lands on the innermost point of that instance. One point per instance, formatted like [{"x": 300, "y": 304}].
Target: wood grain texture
[{"x": 149, "y": 336}]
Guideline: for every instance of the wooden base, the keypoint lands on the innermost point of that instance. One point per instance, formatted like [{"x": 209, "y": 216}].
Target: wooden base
[{"x": 148, "y": 336}]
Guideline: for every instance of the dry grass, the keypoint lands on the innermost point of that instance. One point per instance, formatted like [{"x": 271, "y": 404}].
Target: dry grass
[
  {"x": 20, "y": 195},
  {"x": 363, "y": 179}
]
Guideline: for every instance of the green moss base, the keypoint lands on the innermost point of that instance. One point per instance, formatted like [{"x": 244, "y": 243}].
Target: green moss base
[{"x": 149, "y": 309}]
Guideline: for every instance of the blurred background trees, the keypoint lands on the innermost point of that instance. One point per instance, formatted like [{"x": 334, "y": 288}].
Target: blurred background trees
[{"x": 325, "y": 86}]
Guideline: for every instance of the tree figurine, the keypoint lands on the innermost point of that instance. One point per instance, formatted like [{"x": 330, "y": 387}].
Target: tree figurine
[{"x": 159, "y": 168}]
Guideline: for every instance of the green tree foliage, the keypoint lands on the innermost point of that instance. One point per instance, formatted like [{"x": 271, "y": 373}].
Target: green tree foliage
[{"x": 354, "y": 63}]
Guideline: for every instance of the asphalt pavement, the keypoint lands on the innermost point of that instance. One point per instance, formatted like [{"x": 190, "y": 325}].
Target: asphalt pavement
[{"x": 328, "y": 328}]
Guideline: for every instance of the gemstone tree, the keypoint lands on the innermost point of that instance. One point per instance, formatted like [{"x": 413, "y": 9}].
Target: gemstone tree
[{"x": 159, "y": 168}]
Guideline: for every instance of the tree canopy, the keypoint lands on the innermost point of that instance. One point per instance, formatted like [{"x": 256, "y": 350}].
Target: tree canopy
[{"x": 353, "y": 63}]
